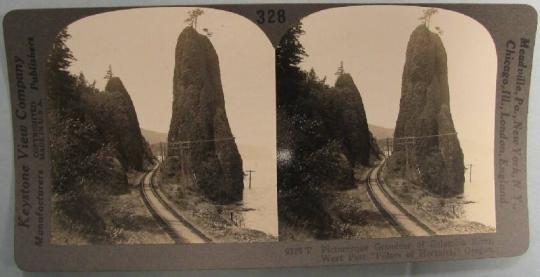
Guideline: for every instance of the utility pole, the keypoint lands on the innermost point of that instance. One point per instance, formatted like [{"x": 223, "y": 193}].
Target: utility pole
[
  {"x": 406, "y": 157},
  {"x": 388, "y": 146},
  {"x": 165, "y": 153},
  {"x": 161, "y": 151},
  {"x": 470, "y": 173},
  {"x": 408, "y": 142},
  {"x": 250, "y": 171}
]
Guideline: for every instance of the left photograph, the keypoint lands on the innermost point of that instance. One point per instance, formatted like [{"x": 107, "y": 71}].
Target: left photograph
[{"x": 149, "y": 138}]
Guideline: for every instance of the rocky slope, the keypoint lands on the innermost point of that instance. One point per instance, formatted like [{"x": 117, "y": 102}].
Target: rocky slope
[
  {"x": 115, "y": 115},
  {"x": 381, "y": 132},
  {"x": 154, "y": 137},
  {"x": 201, "y": 144},
  {"x": 358, "y": 140},
  {"x": 434, "y": 158},
  {"x": 325, "y": 138}
]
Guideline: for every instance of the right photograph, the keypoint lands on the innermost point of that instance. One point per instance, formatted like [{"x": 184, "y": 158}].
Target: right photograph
[{"x": 385, "y": 124}]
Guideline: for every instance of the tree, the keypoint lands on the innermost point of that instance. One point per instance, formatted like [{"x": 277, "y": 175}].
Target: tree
[
  {"x": 313, "y": 82},
  {"x": 109, "y": 73},
  {"x": 60, "y": 83},
  {"x": 341, "y": 70},
  {"x": 72, "y": 141},
  {"x": 192, "y": 17},
  {"x": 93, "y": 85},
  {"x": 289, "y": 54},
  {"x": 312, "y": 76},
  {"x": 81, "y": 80},
  {"x": 426, "y": 17}
]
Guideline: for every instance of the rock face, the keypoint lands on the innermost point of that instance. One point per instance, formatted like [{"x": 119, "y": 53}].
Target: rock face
[
  {"x": 360, "y": 146},
  {"x": 201, "y": 145},
  {"x": 433, "y": 157},
  {"x": 115, "y": 115}
]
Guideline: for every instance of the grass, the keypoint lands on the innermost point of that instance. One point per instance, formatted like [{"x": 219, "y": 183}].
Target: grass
[
  {"x": 352, "y": 213},
  {"x": 126, "y": 218},
  {"x": 356, "y": 217}
]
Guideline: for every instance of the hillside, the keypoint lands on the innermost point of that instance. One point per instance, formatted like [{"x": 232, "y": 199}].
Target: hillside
[
  {"x": 381, "y": 132},
  {"x": 154, "y": 137}
]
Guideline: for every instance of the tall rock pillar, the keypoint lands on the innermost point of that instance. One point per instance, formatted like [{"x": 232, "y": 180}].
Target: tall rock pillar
[
  {"x": 426, "y": 145},
  {"x": 201, "y": 144}
]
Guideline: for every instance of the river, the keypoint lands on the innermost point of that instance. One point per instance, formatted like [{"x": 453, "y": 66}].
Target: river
[{"x": 480, "y": 185}]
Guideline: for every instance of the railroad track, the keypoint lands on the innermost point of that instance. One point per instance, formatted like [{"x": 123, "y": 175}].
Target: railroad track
[
  {"x": 402, "y": 220},
  {"x": 177, "y": 227}
]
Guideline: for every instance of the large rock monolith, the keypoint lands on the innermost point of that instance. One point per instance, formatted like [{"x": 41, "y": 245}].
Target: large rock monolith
[
  {"x": 362, "y": 149},
  {"x": 426, "y": 145},
  {"x": 202, "y": 147},
  {"x": 115, "y": 115}
]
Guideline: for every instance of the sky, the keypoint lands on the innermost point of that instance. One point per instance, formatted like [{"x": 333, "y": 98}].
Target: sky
[
  {"x": 139, "y": 45},
  {"x": 372, "y": 41}
]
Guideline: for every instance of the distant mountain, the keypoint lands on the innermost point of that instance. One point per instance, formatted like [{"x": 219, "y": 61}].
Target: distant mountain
[
  {"x": 154, "y": 137},
  {"x": 381, "y": 132}
]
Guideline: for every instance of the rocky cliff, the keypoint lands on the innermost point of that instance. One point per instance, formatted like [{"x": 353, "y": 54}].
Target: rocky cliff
[
  {"x": 359, "y": 143},
  {"x": 426, "y": 146},
  {"x": 201, "y": 144},
  {"x": 115, "y": 115}
]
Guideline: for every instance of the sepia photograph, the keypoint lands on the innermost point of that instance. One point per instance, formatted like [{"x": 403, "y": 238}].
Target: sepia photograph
[
  {"x": 385, "y": 124},
  {"x": 162, "y": 129},
  {"x": 246, "y": 136}
]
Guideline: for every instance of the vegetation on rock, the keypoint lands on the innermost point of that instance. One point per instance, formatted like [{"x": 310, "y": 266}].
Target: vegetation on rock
[
  {"x": 322, "y": 136},
  {"x": 86, "y": 162}
]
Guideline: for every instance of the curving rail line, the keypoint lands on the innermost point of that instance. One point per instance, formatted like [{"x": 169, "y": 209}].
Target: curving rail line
[
  {"x": 403, "y": 221},
  {"x": 176, "y": 226}
]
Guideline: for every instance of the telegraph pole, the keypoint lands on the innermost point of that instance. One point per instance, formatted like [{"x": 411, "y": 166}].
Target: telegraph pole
[
  {"x": 388, "y": 146},
  {"x": 470, "y": 173},
  {"x": 161, "y": 151},
  {"x": 250, "y": 171},
  {"x": 408, "y": 142},
  {"x": 407, "y": 157}
]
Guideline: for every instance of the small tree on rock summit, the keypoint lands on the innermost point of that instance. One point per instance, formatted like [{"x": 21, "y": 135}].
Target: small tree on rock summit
[
  {"x": 341, "y": 70},
  {"x": 109, "y": 73},
  {"x": 428, "y": 13},
  {"x": 192, "y": 17}
]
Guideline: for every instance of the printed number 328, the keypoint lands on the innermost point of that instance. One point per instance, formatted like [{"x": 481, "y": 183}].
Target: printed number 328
[{"x": 270, "y": 16}]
